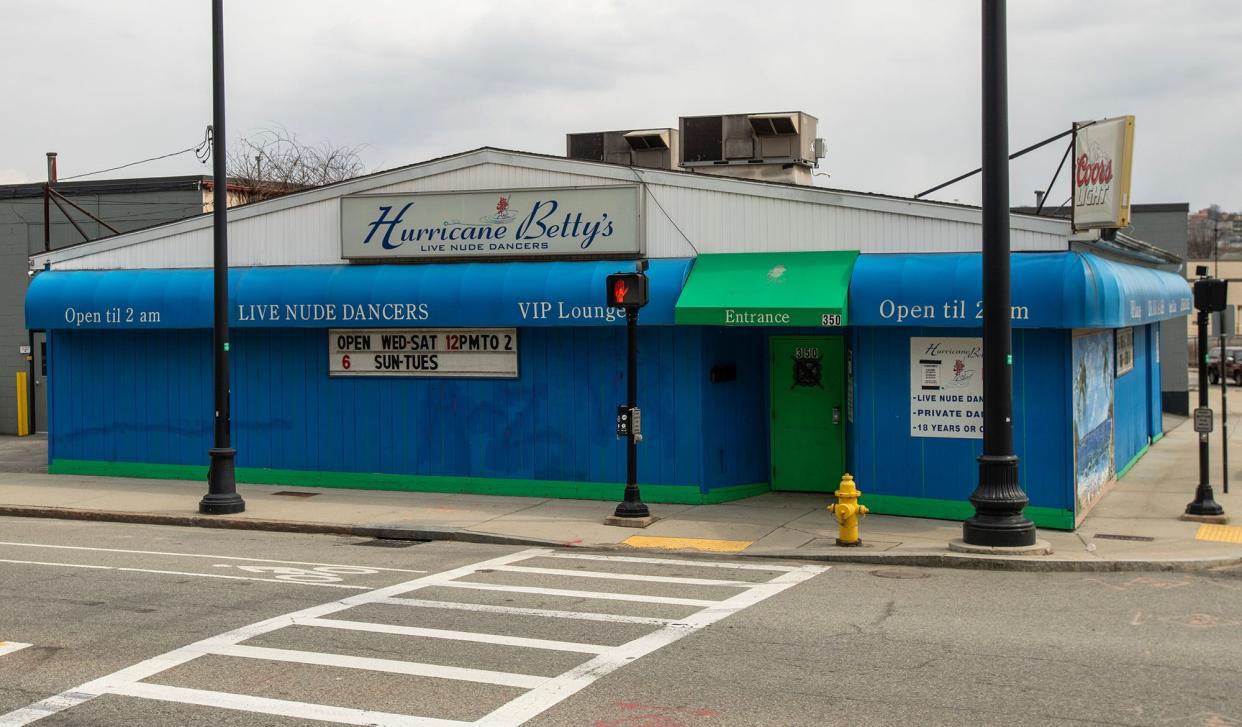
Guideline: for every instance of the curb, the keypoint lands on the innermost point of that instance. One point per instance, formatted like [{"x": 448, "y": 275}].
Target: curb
[
  {"x": 1025, "y": 564},
  {"x": 386, "y": 532},
  {"x": 1028, "y": 564}
]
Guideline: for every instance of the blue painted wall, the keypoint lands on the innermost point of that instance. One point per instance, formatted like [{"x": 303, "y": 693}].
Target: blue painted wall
[
  {"x": 891, "y": 462},
  {"x": 1132, "y": 403},
  {"x": 145, "y": 396},
  {"x": 130, "y": 396},
  {"x": 735, "y": 414},
  {"x": 1156, "y": 411}
]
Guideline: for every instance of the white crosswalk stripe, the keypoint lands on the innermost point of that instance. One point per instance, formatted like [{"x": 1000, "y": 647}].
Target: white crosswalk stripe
[{"x": 541, "y": 692}]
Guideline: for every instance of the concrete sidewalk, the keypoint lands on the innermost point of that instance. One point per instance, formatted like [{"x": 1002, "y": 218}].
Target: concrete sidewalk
[{"x": 1135, "y": 526}]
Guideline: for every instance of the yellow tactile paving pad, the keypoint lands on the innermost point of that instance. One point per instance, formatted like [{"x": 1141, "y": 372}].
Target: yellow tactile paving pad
[
  {"x": 1220, "y": 533},
  {"x": 713, "y": 546}
]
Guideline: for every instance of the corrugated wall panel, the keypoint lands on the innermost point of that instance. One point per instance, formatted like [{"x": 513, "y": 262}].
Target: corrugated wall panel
[
  {"x": 714, "y": 221},
  {"x": 132, "y": 396},
  {"x": 889, "y": 461},
  {"x": 494, "y": 176},
  {"x": 1131, "y": 404},
  {"x": 145, "y": 397}
]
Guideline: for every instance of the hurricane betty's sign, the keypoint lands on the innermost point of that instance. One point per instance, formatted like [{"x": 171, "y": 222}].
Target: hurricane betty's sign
[
  {"x": 583, "y": 221},
  {"x": 1101, "y": 173}
]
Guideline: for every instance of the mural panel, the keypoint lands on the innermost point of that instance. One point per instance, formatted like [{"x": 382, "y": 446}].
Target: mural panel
[{"x": 1093, "y": 417}]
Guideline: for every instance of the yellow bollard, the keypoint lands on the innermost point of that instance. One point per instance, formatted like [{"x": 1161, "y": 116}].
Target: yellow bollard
[
  {"x": 23, "y": 405},
  {"x": 848, "y": 510}
]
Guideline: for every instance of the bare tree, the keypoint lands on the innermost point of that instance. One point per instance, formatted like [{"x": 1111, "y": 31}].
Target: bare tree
[
  {"x": 274, "y": 162},
  {"x": 1202, "y": 241}
]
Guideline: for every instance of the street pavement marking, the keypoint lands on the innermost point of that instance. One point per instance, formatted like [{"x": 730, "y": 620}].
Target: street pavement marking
[
  {"x": 1219, "y": 533},
  {"x": 202, "y": 555},
  {"x": 183, "y": 573},
  {"x": 559, "y": 688},
  {"x": 281, "y": 707},
  {"x": 479, "y": 638},
  {"x": 8, "y": 647},
  {"x": 517, "y": 611},
  {"x": 128, "y": 678},
  {"x": 676, "y": 561},
  {"x": 543, "y": 692},
  {"x": 711, "y": 546},
  {"x": 392, "y": 666},
  {"x": 581, "y": 594},
  {"x": 622, "y": 576}
]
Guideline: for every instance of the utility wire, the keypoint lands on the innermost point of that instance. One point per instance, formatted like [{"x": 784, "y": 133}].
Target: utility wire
[
  {"x": 647, "y": 187},
  {"x": 202, "y": 152}
]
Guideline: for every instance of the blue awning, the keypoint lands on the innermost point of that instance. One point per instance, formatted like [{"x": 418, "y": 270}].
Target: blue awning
[
  {"x": 1049, "y": 290},
  {"x": 339, "y": 296}
]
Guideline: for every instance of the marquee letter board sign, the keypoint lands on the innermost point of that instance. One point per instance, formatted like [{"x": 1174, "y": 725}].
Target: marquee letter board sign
[{"x": 428, "y": 352}]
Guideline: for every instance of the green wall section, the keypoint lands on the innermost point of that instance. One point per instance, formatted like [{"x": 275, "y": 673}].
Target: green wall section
[{"x": 676, "y": 494}]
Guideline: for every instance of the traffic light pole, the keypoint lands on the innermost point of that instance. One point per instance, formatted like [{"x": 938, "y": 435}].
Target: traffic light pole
[
  {"x": 631, "y": 505},
  {"x": 1205, "y": 504}
]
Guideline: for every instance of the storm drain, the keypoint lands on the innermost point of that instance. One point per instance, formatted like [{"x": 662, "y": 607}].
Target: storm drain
[
  {"x": 291, "y": 493},
  {"x": 1109, "y": 536},
  {"x": 898, "y": 573},
  {"x": 388, "y": 543}
]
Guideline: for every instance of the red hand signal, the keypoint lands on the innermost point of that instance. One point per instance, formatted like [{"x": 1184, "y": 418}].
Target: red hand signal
[{"x": 619, "y": 290}]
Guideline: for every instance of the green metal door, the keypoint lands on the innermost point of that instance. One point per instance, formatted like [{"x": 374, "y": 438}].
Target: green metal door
[{"x": 808, "y": 412}]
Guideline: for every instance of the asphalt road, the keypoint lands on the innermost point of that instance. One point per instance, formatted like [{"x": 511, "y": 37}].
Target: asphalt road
[{"x": 146, "y": 625}]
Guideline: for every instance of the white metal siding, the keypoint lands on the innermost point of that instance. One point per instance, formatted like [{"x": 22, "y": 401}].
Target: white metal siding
[
  {"x": 494, "y": 176},
  {"x": 722, "y": 222},
  {"x": 754, "y": 218}
]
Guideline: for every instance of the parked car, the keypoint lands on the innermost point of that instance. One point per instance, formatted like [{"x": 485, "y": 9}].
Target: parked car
[{"x": 1232, "y": 367}]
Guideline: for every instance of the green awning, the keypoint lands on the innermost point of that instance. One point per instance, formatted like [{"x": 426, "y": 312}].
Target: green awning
[{"x": 767, "y": 289}]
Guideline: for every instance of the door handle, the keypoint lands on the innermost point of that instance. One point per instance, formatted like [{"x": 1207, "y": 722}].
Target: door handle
[{"x": 836, "y": 415}]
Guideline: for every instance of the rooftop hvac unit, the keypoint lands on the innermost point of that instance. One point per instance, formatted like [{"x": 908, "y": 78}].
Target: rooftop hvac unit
[
  {"x": 777, "y": 147},
  {"x": 648, "y": 148}
]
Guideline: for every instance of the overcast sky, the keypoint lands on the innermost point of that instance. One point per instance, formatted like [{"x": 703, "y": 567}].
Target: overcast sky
[{"x": 895, "y": 85}]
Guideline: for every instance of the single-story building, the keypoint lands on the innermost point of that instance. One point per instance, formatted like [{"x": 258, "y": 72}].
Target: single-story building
[{"x": 443, "y": 327}]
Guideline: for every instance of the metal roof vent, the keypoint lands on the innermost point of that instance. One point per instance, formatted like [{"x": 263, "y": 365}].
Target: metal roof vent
[
  {"x": 648, "y": 139},
  {"x": 649, "y": 148},
  {"x": 774, "y": 124},
  {"x": 777, "y": 147}
]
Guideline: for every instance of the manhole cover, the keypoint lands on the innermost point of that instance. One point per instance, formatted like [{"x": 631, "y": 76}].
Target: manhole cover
[
  {"x": 388, "y": 543},
  {"x": 898, "y": 573},
  {"x": 290, "y": 493}
]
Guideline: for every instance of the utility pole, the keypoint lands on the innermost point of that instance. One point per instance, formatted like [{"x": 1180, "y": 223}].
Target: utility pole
[
  {"x": 221, "y": 497},
  {"x": 999, "y": 501},
  {"x": 1224, "y": 380}
]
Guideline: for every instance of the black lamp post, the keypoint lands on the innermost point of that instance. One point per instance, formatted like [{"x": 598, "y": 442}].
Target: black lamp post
[
  {"x": 221, "y": 497},
  {"x": 998, "y": 500}
]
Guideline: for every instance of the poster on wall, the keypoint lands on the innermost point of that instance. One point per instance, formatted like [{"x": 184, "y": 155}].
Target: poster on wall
[
  {"x": 946, "y": 387},
  {"x": 427, "y": 352},
  {"x": 1093, "y": 417},
  {"x": 1125, "y": 350}
]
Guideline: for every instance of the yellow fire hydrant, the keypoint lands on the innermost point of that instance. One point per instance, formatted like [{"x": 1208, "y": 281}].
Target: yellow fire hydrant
[{"x": 848, "y": 511}]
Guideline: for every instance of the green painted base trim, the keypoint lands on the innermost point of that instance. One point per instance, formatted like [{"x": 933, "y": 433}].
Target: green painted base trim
[
  {"x": 674, "y": 494},
  {"x": 1133, "y": 461},
  {"x": 1157, "y": 437},
  {"x": 1044, "y": 517},
  {"x": 733, "y": 492}
]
